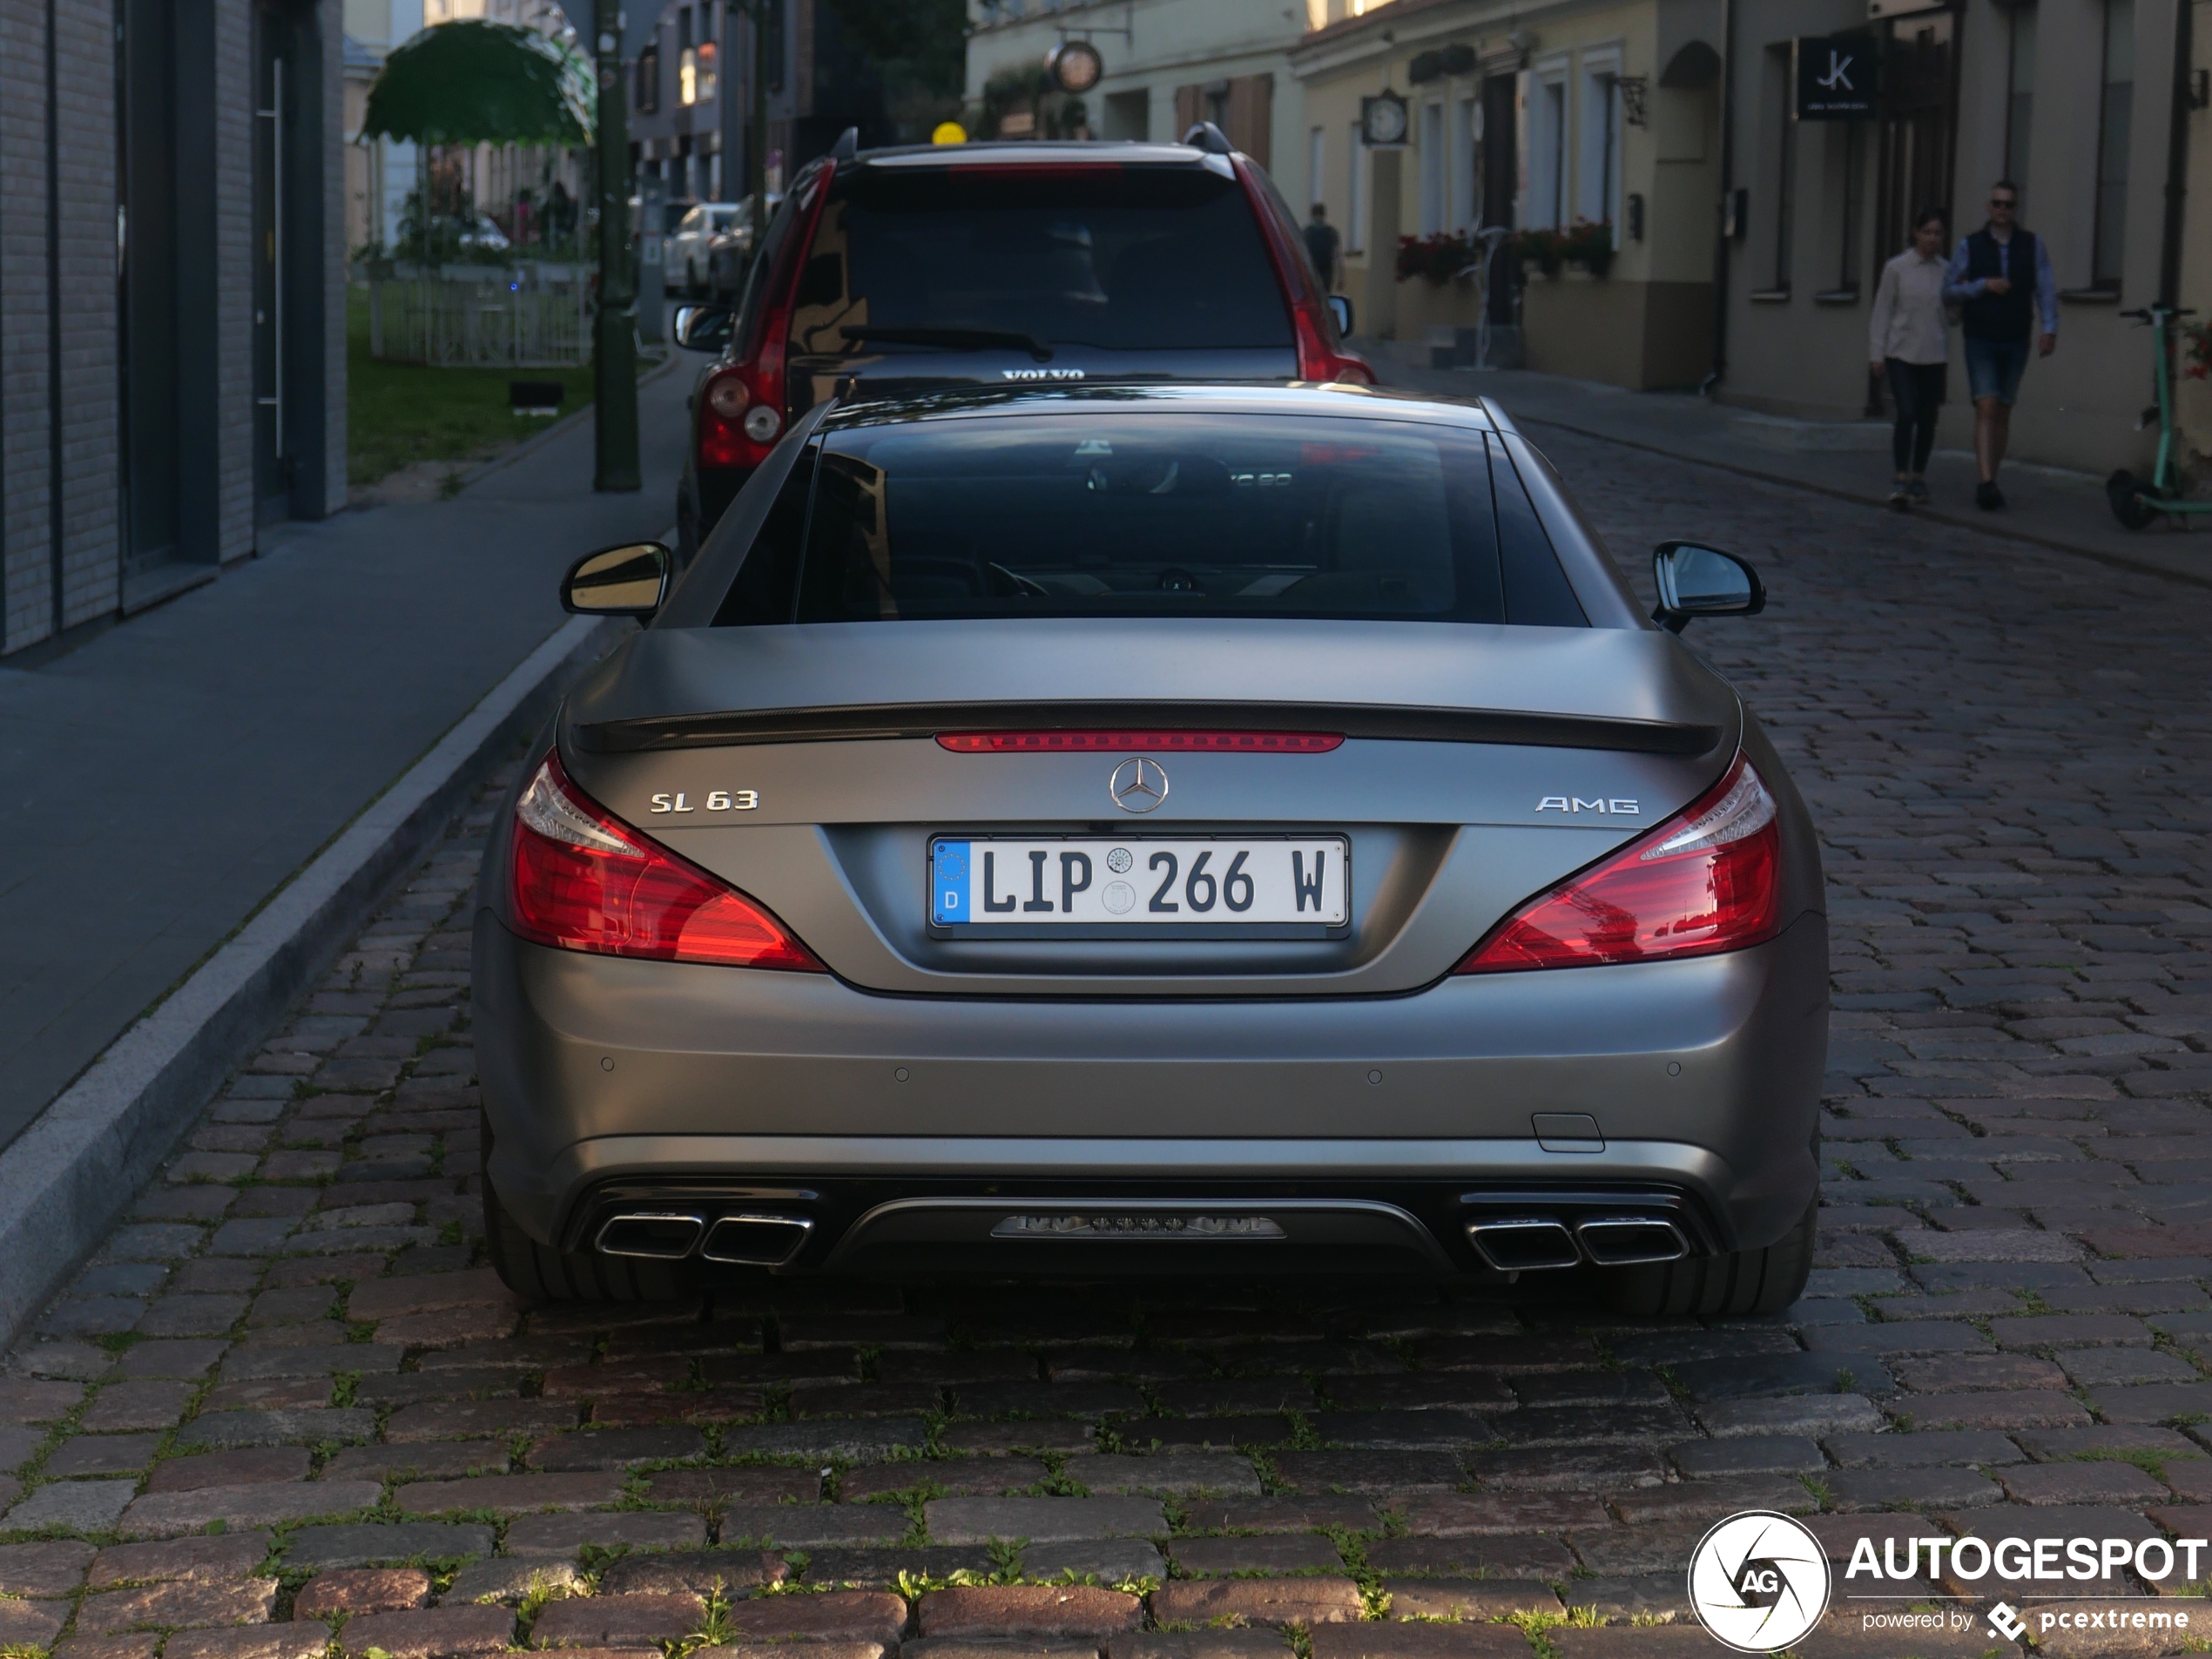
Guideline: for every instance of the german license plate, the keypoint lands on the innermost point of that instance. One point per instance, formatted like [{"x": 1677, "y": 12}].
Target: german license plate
[{"x": 1210, "y": 881}]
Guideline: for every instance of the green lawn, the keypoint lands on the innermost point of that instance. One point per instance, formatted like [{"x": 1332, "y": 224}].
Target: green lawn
[{"x": 397, "y": 414}]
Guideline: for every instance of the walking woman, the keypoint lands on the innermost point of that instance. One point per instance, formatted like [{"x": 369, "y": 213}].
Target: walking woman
[{"x": 1910, "y": 334}]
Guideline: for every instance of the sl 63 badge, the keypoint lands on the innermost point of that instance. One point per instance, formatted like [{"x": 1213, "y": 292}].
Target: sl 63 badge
[{"x": 718, "y": 800}]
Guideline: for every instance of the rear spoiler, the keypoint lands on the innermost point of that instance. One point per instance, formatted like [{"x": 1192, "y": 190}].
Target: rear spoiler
[{"x": 863, "y": 722}]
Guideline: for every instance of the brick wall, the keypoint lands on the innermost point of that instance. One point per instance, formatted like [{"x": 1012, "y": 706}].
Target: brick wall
[
  {"x": 89, "y": 431},
  {"x": 26, "y": 604},
  {"x": 237, "y": 131},
  {"x": 90, "y": 573}
]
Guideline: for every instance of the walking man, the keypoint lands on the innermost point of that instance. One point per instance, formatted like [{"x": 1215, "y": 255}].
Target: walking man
[
  {"x": 2000, "y": 279},
  {"x": 1321, "y": 245}
]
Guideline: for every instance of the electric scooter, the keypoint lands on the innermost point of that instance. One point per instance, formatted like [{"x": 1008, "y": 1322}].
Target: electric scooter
[{"x": 2136, "y": 502}]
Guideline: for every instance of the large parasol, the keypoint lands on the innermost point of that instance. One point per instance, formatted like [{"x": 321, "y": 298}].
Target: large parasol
[{"x": 479, "y": 81}]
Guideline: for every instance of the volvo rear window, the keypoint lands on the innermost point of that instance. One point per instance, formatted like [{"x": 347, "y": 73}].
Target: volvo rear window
[
  {"x": 1108, "y": 256},
  {"x": 1173, "y": 515}
]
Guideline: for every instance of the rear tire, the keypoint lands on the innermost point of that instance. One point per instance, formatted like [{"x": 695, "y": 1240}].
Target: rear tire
[
  {"x": 540, "y": 1273},
  {"x": 1732, "y": 1287},
  {"x": 2127, "y": 503}
]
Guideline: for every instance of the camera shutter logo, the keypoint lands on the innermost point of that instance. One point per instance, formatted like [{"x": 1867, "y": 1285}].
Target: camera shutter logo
[{"x": 1759, "y": 1581}]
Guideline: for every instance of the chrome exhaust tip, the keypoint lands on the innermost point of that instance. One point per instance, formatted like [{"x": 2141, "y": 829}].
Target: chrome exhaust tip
[
  {"x": 1523, "y": 1243},
  {"x": 656, "y": 1236},
  {"x": 1631, "y": 1241},
  {"x": 757, "y": 1241}
]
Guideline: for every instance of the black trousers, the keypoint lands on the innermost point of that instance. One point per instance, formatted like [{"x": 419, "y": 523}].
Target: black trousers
[{"x": 1917, "y": 390}]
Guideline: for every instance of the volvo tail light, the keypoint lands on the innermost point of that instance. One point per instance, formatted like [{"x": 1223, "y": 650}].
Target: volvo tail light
[
  {"x": 744, "y": 404},
  {"x": 1313, "y": 325},
  {"x": 585, "y": 881},
  {"x": 1708, "y": 880}
]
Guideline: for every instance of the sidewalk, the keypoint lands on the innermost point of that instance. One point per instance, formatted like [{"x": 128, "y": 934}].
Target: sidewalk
[
  {"x": 164, "y": 779},
  {"x": 2048, "y": 507}
]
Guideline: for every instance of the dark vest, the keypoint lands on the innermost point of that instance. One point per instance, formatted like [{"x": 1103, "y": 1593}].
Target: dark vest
[{"x": 2001, "y": 316}]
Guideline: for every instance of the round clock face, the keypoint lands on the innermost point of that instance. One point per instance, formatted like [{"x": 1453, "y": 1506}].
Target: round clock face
[
  {"x": 1385, "y": 121},
  {"x": 1076, "y": 66}
]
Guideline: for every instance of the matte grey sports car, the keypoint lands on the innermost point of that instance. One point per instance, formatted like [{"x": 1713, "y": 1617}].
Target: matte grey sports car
[{"x": 1102, "y": 829}]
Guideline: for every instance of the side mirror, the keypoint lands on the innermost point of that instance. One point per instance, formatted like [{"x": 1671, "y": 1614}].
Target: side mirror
[
  {"x": 1341, "y": 307},
  {"x": 627, "y": 581},
  {"x": 703, "y": 328},
  {"x": 1698, "y": 581}
]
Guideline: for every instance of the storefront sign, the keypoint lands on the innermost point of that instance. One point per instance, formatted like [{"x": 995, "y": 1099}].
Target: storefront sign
[{"x": 1836, "y": 77}]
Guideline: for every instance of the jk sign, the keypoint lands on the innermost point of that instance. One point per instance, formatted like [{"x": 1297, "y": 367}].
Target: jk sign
[{"x": 1835, "y": 78}]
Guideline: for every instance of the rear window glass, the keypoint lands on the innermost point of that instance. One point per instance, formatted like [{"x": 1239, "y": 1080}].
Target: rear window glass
[
  {"x": 1109, "y": 257},
  {"x": 1169, "y": 515}
]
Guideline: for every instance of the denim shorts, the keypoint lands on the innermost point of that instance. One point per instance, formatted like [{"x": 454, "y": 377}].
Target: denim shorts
[{"x": 1994, "y": 366}]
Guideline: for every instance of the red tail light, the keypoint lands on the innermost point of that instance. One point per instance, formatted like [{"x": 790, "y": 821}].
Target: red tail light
[
  {"x": 744, "y": 406},
  {"x": 1313, "y": 325},
  {"x": 1708, "y": 880},
  {"x": 1257, "y": 743},
  {"x": 585, "y": 881}
]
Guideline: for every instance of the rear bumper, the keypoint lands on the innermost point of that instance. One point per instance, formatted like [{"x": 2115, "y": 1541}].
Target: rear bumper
[
  {"x": 894, "y": 1207},
  {"x": 610, "y": 1081}
]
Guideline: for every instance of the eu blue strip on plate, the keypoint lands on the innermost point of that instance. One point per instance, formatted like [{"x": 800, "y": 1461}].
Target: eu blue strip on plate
[{"x": 948, "y": 868}]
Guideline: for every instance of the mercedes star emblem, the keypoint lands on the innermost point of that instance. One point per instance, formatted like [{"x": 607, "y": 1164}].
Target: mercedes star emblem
[{"x": 1138, "y": 785}]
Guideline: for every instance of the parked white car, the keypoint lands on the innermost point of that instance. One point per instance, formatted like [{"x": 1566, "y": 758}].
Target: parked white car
[{"x": 686, "y": 245}]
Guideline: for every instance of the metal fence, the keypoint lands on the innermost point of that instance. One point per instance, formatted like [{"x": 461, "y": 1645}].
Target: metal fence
[{"x": 528, "y": 316}]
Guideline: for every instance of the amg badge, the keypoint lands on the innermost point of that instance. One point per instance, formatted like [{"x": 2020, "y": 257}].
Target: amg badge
[{"x": 1576, "y": 804}]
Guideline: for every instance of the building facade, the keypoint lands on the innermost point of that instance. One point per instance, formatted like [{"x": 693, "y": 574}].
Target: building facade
[
  {"x": 171, "y": 315},
  {"x": 1169, "y": 64},
  {"x": 1598, "y": 118},
  {"x": 2074, "y": 100},
  {"x": 1730, "y": 235}
]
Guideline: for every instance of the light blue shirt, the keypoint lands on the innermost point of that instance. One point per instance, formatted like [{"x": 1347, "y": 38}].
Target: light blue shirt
[{"x": 1956, "y": 289}]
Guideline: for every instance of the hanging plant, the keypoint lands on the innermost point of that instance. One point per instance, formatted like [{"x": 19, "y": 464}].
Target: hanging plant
[
  {"x": 1538, "y": 246},
  {"x": 1436, "y": 258}
]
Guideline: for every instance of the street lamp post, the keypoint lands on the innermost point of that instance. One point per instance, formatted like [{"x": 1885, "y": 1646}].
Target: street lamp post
[
  {"x": 756, "y": 13},
  {"x": 614, "y": 340}
]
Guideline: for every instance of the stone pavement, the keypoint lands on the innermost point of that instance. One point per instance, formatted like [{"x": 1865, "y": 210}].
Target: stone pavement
[
  {"x": 2051, "y": 506},
  {"x": 286, "y": 1412}
]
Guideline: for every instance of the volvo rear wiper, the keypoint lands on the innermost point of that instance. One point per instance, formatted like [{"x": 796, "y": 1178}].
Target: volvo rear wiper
[{"x": 953, "y": 338}]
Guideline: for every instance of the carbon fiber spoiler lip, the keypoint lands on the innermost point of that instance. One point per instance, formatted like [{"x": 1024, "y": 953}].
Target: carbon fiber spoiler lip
[{"x": 864, "y": 722}]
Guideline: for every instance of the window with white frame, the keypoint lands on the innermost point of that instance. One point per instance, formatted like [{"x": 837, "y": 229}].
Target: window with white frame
[
  {"x": 1597, "y": 185},
  {"x": 1432, "y": 168},
  {"x": 1355, "y": 193},
  {"x": 1546, "y": 114},
  {"x": 1463, "y": 204}
]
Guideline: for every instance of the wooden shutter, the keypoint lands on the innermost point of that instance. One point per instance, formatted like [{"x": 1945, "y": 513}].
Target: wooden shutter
[
  {"x": 1190, "y": 109},
  {"x": 1252, "y": 114}
]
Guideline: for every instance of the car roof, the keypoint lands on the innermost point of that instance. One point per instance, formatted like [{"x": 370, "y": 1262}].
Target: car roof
[
  {"x": 1238, "y": 397},
  {"x": 1032, "y": 153}
]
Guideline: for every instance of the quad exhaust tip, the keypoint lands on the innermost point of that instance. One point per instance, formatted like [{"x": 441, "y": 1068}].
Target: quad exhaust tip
[
  {"x": 1524, "y": 1243},
  {"x": 669, "y": 1236},
  {"x": 658, "y": 1236},
  {"x": 757, "y": 1241},
  {"x": 1631, "y": 1241},
  {"x": 1534, "y": 1244}
]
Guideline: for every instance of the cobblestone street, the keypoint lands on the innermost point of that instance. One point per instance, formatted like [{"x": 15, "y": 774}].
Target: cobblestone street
[{"x": 287, "y": 1409}]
